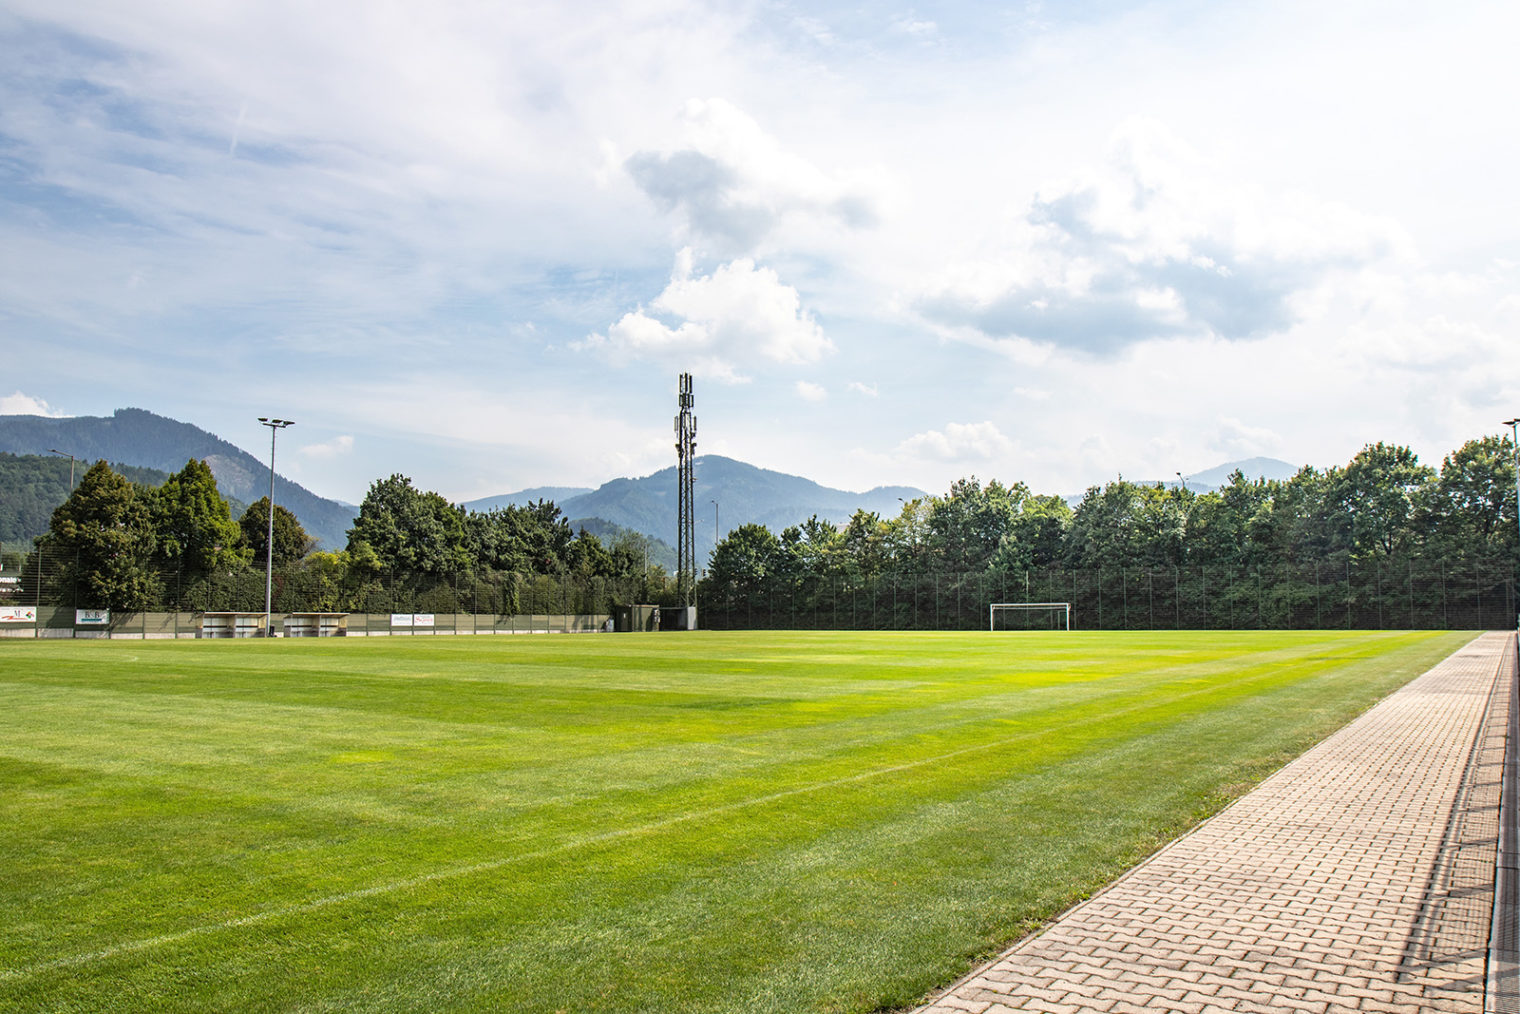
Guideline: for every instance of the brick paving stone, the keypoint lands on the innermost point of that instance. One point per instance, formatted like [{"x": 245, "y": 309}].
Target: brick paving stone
[{"x": 1324, "y": 889}]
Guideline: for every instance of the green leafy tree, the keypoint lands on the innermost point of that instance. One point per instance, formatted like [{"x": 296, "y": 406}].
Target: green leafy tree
[
  {"x": 1380, "y": 495},
  {"x": 865, "y": 546},
  {"x": 194, "y": 526},
  {"x": 743, "y": 565},
  {"x": 1103, "y": 531},
  {"x": 907, "y": 537},
  {"x": 1234, "y": 525},
  {"x": 588, "y": 558},
  {"x": 1040, "y": 528},
  {"x": 966, "y": 527},
  {"x": 816, "y": 547},
  {"x": 291, "y": 543},
  {"x": 1474, "y": 504},
  {"x": 416, "y": 535},
  {"x": 533, "y": 538},
  {"x": 1305, "y": 524},
  {"x": 103, "y": 534}
]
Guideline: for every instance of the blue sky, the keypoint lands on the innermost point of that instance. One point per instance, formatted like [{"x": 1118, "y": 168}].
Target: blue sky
[{"x": 477, "y": 243}]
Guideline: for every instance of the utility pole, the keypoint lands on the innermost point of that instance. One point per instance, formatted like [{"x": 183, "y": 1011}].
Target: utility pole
[{"x": 275, "y": 425}]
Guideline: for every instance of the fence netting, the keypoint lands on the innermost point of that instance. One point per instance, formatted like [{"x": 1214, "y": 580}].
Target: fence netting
[{"x": 1386, "y": 593}]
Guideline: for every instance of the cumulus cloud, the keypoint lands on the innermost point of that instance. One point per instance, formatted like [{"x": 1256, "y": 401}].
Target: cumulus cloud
[
  {"x": 736, "y": 183},
  {"x": 809, "y": 391},
  {"x": 958, "y": 442},
  {"x": 1236, "y": 439},
  {"x": 25, "y": 404},
  {"x": 737, "y": 315},
  {"x": 339, "y": 445},
  {"x": 1153, "y": 245},
  {"x": 869, "y": 390}
]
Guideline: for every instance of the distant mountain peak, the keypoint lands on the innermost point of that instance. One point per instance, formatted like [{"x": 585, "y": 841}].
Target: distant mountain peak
[
  {"x": 136, "y": 436},
  {"x": 1251, "y": 468}
]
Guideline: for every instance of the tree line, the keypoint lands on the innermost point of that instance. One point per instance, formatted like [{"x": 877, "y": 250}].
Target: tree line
[
  {"x": 1382, "y": 506},
  {"x": 123, "y": 545},
  {"x": 127, "y": 546}
]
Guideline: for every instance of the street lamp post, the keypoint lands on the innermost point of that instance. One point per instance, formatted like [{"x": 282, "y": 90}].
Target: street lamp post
[
  {"x": 275, "y": 425},
  {"x": 66, "y": 454}
]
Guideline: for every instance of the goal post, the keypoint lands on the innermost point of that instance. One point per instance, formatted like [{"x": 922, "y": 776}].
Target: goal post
[{"x": 1052, "y": 608}]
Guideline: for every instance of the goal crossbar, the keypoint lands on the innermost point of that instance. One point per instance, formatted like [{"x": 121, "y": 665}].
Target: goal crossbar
[{"x": 992, "y": 610}]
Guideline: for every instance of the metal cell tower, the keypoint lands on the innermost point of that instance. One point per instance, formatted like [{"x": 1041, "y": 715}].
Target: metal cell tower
[{"x": 686, "y": 451}]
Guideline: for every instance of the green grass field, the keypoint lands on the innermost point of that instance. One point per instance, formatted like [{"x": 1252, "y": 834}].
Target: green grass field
[{"x": 702, "y": 822}]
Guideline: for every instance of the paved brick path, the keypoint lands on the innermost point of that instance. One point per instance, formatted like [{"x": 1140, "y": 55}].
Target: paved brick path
[{"x": 1352, "y": 879}]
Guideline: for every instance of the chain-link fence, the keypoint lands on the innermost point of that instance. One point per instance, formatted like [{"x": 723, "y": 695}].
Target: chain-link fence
[
  {"x": 1381, "y": 594},
  {"x": 1412, "y": 593},
  {"x": 43, "y": 579}
]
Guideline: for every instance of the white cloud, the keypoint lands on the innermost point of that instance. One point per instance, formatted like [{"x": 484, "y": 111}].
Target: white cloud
[
  {"x": 736, "y": 317},
  {"x": 422, "y": 181},
  {"x": 869, "y": 390},
  {"x": 1236, "y": 440},
  {"x": 339, "y": 445},
  {"x": 959, "y": 442},
  {"x": 25, "y": 404},
  {"x": 736, "y": 183},
  {"x": 808, "y": 391},
  {"x": 1155, "y": 244}
]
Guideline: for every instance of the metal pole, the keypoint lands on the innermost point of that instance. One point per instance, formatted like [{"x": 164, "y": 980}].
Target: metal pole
[
  {"x": 1515, "y": 448},
  {"x": 275, "y": 425},
  {"x": 66, "y": 454}
]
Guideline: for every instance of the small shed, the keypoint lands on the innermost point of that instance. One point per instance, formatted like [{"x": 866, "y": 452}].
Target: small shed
[
  {"x": 316, "y": 625},
  {"x": 626, "y": 619},
  {"x": 230, "y": 624},
  {"x": 679, "y": 618}
]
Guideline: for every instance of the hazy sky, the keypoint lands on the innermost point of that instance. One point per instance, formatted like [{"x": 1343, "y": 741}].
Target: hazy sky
[{"x": 475, "y": 243}]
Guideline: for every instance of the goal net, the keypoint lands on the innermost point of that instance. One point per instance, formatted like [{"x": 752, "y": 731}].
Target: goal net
[{"x": 1029, "y": 616}]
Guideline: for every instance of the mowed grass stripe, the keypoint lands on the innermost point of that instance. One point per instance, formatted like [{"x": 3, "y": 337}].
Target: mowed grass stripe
[
  {"x": 858, "y": 744},
  {"x": 802, "y": 806}
]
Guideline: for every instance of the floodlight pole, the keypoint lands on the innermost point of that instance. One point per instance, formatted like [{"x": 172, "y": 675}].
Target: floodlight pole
[
  {"x": 1515, "y": 447},
  {"x": 275, "y": 425},
  {"x": 717, "y": 531},
  {"x": 66, "y": 454}
]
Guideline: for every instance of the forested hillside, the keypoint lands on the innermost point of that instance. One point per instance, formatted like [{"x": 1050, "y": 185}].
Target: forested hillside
[
  {"x": 32, "y": 485},
  {"x": 142, "y": 439}
]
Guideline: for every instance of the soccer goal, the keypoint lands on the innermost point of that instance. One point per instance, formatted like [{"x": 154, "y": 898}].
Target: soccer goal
[{"x": 1059, "y": 613}]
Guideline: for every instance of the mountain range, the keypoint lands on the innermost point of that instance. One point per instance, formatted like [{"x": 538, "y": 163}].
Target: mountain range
[
  {"x": 137, "y": 437},
  {"x": 728, "y": 493}
]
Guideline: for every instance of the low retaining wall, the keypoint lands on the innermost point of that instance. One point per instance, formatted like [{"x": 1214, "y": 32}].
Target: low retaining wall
[{"x": 58, "y": 621}]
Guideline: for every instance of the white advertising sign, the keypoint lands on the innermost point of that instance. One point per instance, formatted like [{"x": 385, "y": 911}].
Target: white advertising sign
[
  {"x": 91, "y": 617},
  {"x": 422, "y": 619},
  {"x": 401, "y": 619},
  {"x": 18, "y": 614}
]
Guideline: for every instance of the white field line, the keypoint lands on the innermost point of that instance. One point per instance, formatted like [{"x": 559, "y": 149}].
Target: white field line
[{"x": 269, "y": 915}]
